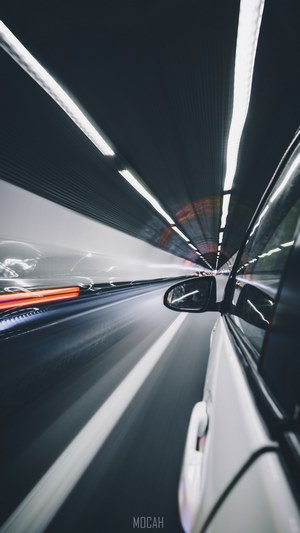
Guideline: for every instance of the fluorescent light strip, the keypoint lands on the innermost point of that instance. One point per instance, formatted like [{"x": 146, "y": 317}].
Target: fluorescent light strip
[
  {"x": 273, "y": 251},
  {"x": 248, "y": 31},
  {"x": 192, "y": 246},
  {"x": 220, "y": 237},
  {"x": 225, "y": 206},
  {"x": 289, "y": 173},
  {"x": 40, "y": 75},
  {"x": 257, "y": 311},
  {"x": 180, "y": 233},
  {"x": 28, "y": 63},
  {"x": 143, "y": 192},
  {"x": 185, "y": 296},
  {"x": 259, "y": 220},
  {"x": 286, "y": 244}
]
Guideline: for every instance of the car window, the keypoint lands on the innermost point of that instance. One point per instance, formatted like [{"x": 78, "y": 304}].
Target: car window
[{"x": 264, "y": 257}]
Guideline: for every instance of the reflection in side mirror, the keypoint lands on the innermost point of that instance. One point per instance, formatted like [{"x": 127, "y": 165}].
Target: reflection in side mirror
[
  {"x": 193, "y": 295},
  {"x": 255, "y": 306}
]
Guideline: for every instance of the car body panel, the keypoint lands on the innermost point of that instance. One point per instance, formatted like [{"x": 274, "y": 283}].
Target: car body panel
[
  {"x": 235, "y": 429},
  {"x": 261, "y": 501},
  {"x": 243, "y": 473}
]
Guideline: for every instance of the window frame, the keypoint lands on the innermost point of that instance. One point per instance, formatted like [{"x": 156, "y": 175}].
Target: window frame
[
  {"x": 281, "y": 426},
  {"x": 230, "y": 286},
  {"x": 255, "y": 362}
]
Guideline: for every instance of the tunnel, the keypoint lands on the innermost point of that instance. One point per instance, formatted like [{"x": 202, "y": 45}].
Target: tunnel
[{"x": 149, "y": 165}]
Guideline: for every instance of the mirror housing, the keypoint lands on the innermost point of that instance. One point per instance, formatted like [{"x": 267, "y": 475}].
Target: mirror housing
[{"x": 195, "y": 295}]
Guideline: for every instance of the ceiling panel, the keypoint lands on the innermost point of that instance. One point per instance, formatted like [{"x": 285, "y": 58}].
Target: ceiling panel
[{"x": 157, "y": 77}]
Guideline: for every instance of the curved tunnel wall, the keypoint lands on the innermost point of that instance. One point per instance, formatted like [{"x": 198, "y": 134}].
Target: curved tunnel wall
[{"x": 43, "y": 243}]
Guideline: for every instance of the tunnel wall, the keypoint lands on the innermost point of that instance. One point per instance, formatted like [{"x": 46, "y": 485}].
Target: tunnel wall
[{"x": 41, "y": 240}]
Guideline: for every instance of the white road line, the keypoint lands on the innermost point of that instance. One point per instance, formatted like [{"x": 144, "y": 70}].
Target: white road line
[{"x": 39, "y": 507}]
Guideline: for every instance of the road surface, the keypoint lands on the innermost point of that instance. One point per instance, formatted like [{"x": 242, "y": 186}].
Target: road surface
[{"x": 95, "y": 405}]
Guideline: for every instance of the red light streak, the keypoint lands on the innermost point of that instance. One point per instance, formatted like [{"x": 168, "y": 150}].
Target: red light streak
[{"x": 22, "y": 299}]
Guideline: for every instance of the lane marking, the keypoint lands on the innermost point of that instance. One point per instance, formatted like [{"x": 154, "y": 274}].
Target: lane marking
[{"x": 39, "y": 507}]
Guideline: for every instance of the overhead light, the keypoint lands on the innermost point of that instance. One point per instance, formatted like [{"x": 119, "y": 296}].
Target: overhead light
[
  {"x": 192, "y": 246},
  {"x": 259, "y": 220},
  {"x": 28, "y": 63},
  {"x": 247, "y": 37},
  {"x": 220, "y": 237},
  {"x": 185, "y": 296},
  {"x": 286, "y": 244},
  {"x": 182, "y": 235},
  {"x": 257, "y": 311},
  {"x": 143, "y": 192},
  {"x": 288, "y": 175},
  {"x": 225, "y": 206},
  {"x": 273, "y": 251}
]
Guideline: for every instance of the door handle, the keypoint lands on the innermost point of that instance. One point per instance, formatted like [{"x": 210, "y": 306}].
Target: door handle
[{"x": 190, "y": 478}]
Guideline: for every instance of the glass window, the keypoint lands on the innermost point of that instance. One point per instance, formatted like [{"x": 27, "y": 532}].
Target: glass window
[{"x": 265, "y": 255}]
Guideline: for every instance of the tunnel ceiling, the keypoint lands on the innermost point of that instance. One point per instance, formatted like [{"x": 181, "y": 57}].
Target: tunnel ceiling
[{"x": 157, "y": 77}]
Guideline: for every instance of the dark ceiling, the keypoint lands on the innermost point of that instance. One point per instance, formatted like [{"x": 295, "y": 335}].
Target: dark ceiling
[{"x": 157, "y": 77}]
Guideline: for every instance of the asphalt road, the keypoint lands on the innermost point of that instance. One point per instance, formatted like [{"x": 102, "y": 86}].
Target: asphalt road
[{"x": 95, "y": 404}]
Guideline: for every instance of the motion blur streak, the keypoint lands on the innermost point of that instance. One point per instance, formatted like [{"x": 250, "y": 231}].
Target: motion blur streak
[
  {"x": 26, "y": 61},
  {"x": 43, "y": 502},
  {"x": 20, "y": 299},
  {"x": 71, "y": 247},
  {"x": 60, "y": 365}
]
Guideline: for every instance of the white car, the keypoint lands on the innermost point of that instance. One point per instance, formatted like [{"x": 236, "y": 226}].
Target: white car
[{"x": 241, "y": 466}]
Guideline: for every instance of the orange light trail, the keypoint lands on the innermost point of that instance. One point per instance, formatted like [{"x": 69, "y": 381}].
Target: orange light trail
[{"x": 22, "y": 299}]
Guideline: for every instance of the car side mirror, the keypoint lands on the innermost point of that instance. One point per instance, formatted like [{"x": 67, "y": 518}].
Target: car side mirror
[{"x": 193, "y": 295}]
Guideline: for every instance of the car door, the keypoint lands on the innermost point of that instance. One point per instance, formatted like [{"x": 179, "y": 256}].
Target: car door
[{"x": 242, "y": 481}]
